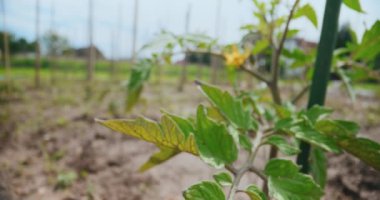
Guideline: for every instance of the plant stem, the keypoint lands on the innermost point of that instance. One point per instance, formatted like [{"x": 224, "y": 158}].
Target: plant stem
[
  {"x": 258, "y": 173},
  {"x": 246, "y": 166},
  {"x": 275, "y": 92},
  {"x": 255, "y": 74},
  {"x": 231, "y": 169},
  {"x": 276, "y": 57},
  {"x": 273, "y": 85},
  {"x": 302, "y": 93}
]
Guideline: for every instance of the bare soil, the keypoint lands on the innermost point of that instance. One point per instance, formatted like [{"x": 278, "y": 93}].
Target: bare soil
[{"x": 47, "y": 135}]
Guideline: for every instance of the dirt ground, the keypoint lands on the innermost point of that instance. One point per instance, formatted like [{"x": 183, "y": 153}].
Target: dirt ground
[{"x": 51, "y": 149}]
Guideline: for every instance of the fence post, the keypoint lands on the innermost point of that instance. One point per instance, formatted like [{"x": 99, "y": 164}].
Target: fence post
[{"x": 322, "y": 68}]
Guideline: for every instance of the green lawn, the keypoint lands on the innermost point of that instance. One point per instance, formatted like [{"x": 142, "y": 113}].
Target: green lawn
[{"x": 75, "y": 69}]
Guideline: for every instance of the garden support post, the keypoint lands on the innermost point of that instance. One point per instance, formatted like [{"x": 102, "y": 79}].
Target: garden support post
[
  {"x": 322, "y": 68},
  {"x": 37, "y": 47},
  {"x": 5, "y": 54},
  {"x": 91, "y": 48}
]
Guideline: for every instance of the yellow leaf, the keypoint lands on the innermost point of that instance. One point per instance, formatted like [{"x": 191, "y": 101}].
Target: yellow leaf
[
  {"x": 157, "y": 158},
  {"x": 168, "y": 135}
]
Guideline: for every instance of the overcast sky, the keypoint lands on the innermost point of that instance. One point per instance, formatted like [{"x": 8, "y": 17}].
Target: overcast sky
[{"x": 70, "y": 19}]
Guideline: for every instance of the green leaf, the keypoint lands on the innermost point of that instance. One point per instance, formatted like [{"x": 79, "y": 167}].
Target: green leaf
[
  {"x": 201, "y": 41},
  {"x": 250, "y": 101},
  {"x": 269, "y": 115},
  {"x": 215, "y": 114},
  {"x": 260, "y": 6},
  {"x": 260, "y": 46},
  {"x": 368, "y": 49},
  {"x": 295, "y": 54},
  {"x": 314, "y": 137},
  {"x": 353, "y": 36},
  {"x": 366, "y": 150},
  {"x": 282, "y": 112},
  {"x": 163, "y": 155},
  {"x": 318, "y": 166},
  {"x": 292, "y": 33},
  {"x": 354, "y": 5},
  {"x": 286, "y": 183},
  {"x": 248, "y": 27},
  {"x": 255, "y": 193},
  {"x": 216, "y": 146},
  {"x": 344, "y": 133},
  {"x": 164, "y": 40},
  {"x": 140, "y": 73},
  {"x": 281, "y": 143},
  {"x": 347, "y": 83},
  {"x": 280, "y": 21},
  {"x": 280, "y": 167},
  {"x": 168, "y": 136},
  {"x": 337, "y": 128},
  {"x": 185, "y": 126},
  {"x": 245, "y": 142},
  {"x": 284, "y": 124},
  {"x": 205, "y": 190},
  {"x": 232, "y": 108},
  {"x": 317, "y": 112},
  {"x": 352, "y": 128},
  {"x": 234, "y": 133},
  {"x": 66, "y": 179},
  {"x": 173, "y": 136},
  {"x": 360, "y": 74},
  {"x": 307, "y": 11},
  {"x": 223, "y": 179}
]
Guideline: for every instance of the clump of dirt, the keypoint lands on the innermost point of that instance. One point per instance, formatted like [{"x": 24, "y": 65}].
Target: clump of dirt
[
  {"x": 349, "y": 178},
  {"x": 5, "y": 190},
  {"x": 52, "y": 133}
]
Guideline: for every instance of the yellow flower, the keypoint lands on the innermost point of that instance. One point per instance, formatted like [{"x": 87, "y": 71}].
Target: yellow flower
[{"x": 235, "y": 58}]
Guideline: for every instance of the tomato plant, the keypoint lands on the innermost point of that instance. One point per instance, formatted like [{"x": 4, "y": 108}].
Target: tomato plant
[{"x": 230, "y": 124}]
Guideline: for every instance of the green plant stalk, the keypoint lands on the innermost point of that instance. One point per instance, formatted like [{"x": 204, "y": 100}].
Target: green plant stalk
[
  {"x": 322, "y": 68},
  {"x": 247, "y": 166},
  {"x": 299, "y": 96},
  {"x": 273, "y": 84}
]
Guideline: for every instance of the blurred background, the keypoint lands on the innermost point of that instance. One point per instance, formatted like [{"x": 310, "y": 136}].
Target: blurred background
[
  {"x": 65, "y": 63},
  {"x": 114, "y": 21}
]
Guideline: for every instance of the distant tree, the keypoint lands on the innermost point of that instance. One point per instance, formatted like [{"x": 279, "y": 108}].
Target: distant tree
[
  {"x": 54, "y": 44},
  {"x": 344, "y": 36},
  {"x": 21, "y": 46},
  {"x": 17, "y": 45}
]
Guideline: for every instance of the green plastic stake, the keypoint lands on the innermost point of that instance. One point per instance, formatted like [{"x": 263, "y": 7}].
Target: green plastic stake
[{"x": 322, "y": 68}]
